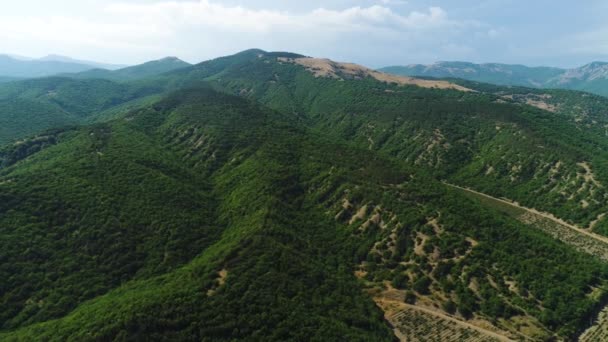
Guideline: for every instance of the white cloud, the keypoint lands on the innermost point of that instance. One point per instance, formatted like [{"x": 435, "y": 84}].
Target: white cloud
[
  {"x": 393, "y": 2},
  {"x": 207, "y": 28},
  {"x": 213, "y": 15}
]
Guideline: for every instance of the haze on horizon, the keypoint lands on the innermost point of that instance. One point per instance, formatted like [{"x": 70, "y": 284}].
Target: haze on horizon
[{"x": 372, "y": 32}]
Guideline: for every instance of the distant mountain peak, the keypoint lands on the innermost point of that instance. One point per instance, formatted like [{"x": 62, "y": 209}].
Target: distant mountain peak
[
  {"x": 591, "y": 77},
  {"x": 170, "y": 58},
  {"x": 56, "y": 58},
  {"x": 594, "y": 71},
  {"x": 253, "y": 52},
  {"x": 596, "y": 64}
]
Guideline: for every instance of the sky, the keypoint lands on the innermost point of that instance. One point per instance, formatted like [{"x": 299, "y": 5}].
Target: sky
[{"x": 375, "y": 33}]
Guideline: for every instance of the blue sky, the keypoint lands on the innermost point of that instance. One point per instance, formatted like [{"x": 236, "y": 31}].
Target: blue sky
[{"x": 371, "y": 32}]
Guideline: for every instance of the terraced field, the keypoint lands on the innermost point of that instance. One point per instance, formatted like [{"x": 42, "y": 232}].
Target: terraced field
[
  {"x": 579, "y": 238},
  {"x": 599, "y": 331},
  {"x": 416, "y": 323}
]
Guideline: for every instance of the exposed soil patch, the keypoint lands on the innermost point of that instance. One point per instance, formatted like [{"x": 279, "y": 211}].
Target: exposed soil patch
[
  {"x": 542, "y": 105},
  {"x": 320, "y": 67},
  {"x": 219, "y": 281}
]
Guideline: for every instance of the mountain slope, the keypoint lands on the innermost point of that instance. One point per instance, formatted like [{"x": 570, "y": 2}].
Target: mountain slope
[
  {"x": 495, "y": 73},
  {"x": 257, "y": 180},
  {"x": 592, "y": 77},
  {"x": 59, "y": 58},
  {"x": 273, "y": 196},
  {"x": 30, "y": 106},
  {"x": 18, "y": 68},
  {"x": 209, "y": 216},
  {"x": 149, "y": 69},
  {"x": 464, "y": 136}
]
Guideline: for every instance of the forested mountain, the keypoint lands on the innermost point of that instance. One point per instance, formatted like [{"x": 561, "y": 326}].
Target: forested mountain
[
  {"x": 149, "y": 69},
  {"x": 30, "y": 68},
  {"x": 548, "y": 152},
  {"x": 30, "y": 106},
  {"x": 59, "y": 58},
  {"x": 271, "y": 196},
  {"x": 592, "y": 77}
]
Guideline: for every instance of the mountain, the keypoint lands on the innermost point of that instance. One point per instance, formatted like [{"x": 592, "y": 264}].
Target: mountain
[
  {"x": 11, "y": 67},
  {"x": 453, "y": 132},
  {"x": 149, "y": 69},
  {"x": 503, "y": 74},
  {"x": 65, "y": 59},
  {"x": 14, "y": 67},
  {"x": 31, "y": 106},
  {"x": 274, "y": 196},
  {"x": 592, "y": 77}
]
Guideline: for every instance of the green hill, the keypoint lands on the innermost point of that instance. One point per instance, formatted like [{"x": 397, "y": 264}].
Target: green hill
[
  {"x": 145, "y": 70},
  {"x": 30, "y": 106}
]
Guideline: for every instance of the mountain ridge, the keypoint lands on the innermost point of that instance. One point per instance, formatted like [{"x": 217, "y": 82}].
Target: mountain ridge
[
  {"x": 60, "y": 58},
  {"x": 43, "y": 67},
  {"x": 135, "y": 72},
  {"x": 591, "y": 77}
]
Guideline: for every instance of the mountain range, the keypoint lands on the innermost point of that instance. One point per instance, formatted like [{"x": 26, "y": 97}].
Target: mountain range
[
  {"x": 592, "y": 77},
  {"x": 22, "y": 67},
  {"x": 274, "y": 196},
  {"x": 131, "y": 73}
]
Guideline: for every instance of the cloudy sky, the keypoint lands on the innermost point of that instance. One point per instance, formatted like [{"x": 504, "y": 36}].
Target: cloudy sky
[{"x": 371, "y": 32}]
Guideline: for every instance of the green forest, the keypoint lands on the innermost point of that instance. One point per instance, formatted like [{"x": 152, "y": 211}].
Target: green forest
[{"x": 246, "y": 199}]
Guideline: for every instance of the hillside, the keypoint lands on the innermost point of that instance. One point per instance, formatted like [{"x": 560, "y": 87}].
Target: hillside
[
  {"x": 592, "y": 77},
  {"x": 20, "y": 68},
  {"x": 137, "y": 72},
  {"x": 31, "y": 106},
  {"x": 551, "y": 165},
  {"x": 221, "y": 189},
  {"x": 274, "y": 196}
]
